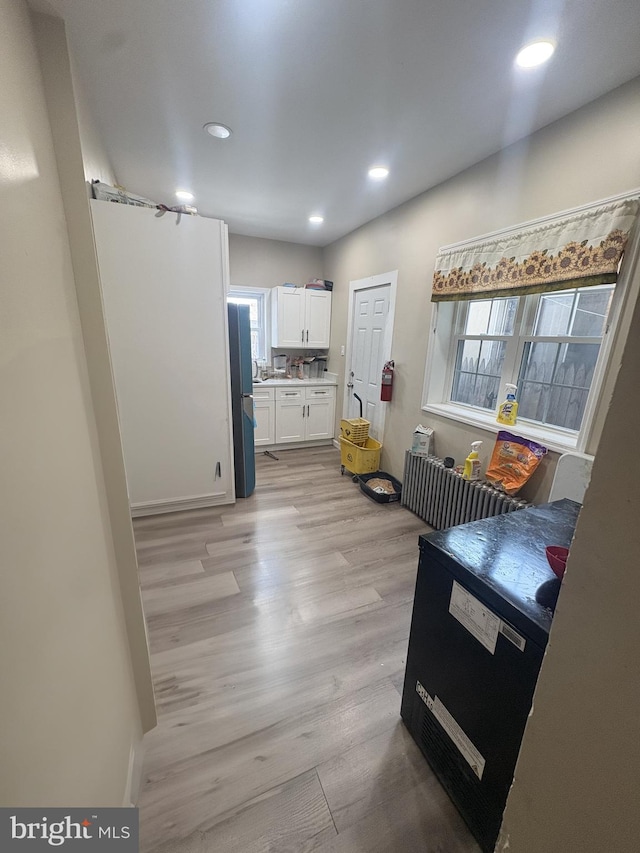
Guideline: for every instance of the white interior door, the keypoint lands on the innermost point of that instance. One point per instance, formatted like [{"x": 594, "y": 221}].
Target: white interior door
[{"x": 371, "y": 323}]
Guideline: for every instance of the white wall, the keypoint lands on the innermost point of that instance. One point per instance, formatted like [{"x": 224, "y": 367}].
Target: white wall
[
  {"x": 96, "y": 162},
  {"x": 576, "y": 782},
  {"x": 78, "y": 149},
  {"x": 69, "y": 713},
  {"x": 255, "y": 262},
  {"x": 588, "y": 155}
]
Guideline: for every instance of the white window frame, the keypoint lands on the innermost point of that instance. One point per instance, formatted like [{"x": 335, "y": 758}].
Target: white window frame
[
  {"x": 512, "y": 342},
  {"x": 262, "y": 293},
  {"x": 441, "y": 363}
]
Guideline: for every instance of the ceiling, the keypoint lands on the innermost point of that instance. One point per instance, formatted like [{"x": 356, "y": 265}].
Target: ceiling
[{"x": 317, "y": 91}]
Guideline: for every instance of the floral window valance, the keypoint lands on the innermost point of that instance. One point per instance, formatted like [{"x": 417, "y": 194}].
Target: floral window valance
[{"x": 580, "y": 249}]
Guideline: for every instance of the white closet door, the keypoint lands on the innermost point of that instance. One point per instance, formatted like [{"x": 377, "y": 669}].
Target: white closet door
[
  {"x": 370, "y": 317},
  {"x": 164, "y": 291}
]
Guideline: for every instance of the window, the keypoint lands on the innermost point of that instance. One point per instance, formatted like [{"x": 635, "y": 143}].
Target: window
[
  {"x": 547, "y": 344},
  {"x": 256, "y": 299},
  {"x": 541, "y": 305},
  {"x": 485, "y": 329},
  {"x": 559, "y": 358}
]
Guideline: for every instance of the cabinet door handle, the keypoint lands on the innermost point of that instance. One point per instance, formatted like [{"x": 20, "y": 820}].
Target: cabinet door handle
[
  {"x": 290, "y": 393},
  {"x": 302, "y": 338},
  {"x": 307, "y": 335},
  {"x": 218, "y": 471},
  {"x": 303, "y": 411},
  {"x": 308, "y": 411}
]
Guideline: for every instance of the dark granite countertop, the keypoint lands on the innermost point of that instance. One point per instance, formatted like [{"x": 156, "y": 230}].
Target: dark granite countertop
[{"x": 503, "y": 558}]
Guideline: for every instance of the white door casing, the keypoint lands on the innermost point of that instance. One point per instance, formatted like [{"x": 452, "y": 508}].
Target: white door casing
[{"x": 369, "y": 341}]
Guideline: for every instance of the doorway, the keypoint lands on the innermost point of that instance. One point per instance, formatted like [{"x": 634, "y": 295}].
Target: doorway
[{"x": 369, "y": 339}]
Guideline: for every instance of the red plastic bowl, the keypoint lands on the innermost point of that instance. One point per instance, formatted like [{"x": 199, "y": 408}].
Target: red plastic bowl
[{"x": 557, "y": 557}]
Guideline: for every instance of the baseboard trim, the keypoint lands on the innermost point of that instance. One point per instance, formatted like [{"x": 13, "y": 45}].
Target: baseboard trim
[
  {"x": 179, "y": 504},
  {"x": 336, "y": 444},
  {"x": 134, "y": 775},
  {"x": 294, "y": 445}
]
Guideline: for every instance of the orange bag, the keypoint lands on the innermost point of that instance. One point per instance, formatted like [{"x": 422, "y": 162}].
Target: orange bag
[{"x": 513, "y": 461}]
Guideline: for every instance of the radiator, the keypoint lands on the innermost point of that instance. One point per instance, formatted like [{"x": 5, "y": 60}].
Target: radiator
[{"x": 443, "y": 499}]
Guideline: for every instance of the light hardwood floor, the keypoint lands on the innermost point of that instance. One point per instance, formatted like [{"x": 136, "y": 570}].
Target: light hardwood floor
[{"x": 278, "y": 631}]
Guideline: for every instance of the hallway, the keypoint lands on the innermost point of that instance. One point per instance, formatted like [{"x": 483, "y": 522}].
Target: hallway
[{"x": 278, "y": 630}]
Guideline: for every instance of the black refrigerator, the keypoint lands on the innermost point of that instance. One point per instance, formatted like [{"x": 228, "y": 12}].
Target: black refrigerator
[
  {"x": 242, "y": 399},
  {"x": 477, "y": 641}
]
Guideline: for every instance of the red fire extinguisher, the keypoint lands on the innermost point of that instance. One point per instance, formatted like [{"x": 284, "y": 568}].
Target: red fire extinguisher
[{"x": 386, "y": 387}]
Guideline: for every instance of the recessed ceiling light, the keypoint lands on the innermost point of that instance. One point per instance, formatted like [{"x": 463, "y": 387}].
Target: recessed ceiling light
[
  {"x": 316, "y": 220},
  {"x": 378, "y": 173},
  {"x": 535, "y": 54},
  {"x": 184, "y": 195},
  {"x": 220, "y": 131}
]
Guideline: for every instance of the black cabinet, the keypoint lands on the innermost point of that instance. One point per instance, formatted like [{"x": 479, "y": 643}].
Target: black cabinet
[{"x": 475, "y": 649}]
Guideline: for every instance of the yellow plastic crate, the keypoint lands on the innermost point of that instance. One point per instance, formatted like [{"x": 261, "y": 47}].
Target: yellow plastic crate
[
  {"x": 360, "y": 460},
  {"x": 355, "y": 430}
]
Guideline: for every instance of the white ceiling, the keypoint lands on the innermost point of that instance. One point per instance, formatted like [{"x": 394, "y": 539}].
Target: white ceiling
[{"x": 316, "y": 91}]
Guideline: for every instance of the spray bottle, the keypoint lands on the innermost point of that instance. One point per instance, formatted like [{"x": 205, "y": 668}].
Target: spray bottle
[
  {"x": 508, "y": 411},
  {"x": 471, "y": 469}
]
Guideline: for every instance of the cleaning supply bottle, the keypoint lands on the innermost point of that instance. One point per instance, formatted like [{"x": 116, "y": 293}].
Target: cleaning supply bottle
[
  {"x": 508, "y": 411},
  {"x": 471, "y": 469}
]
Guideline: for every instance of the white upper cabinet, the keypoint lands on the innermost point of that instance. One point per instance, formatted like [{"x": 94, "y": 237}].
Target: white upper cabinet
[
  {"x": 288, "y": 316},
  {"x": 318, "y": 319},
  {"x": 301, "y": 318}
]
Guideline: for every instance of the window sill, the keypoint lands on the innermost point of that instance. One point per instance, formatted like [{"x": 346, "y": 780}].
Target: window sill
[{"x": 556, "y": 440}]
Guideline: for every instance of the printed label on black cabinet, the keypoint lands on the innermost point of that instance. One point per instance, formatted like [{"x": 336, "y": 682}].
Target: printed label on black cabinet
[
  {"x": 513, "y": 636},
  {"x": 476, "y": 618},
  {"x": 463, "y": 744}
]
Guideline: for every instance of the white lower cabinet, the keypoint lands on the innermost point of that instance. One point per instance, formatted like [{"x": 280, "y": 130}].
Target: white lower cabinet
[
  {"x": 290, "y": 412},
  {"x": 303, "y": 413},
  {"x": 321, "y": 407},
  {"x": 264, "y": 410}
]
